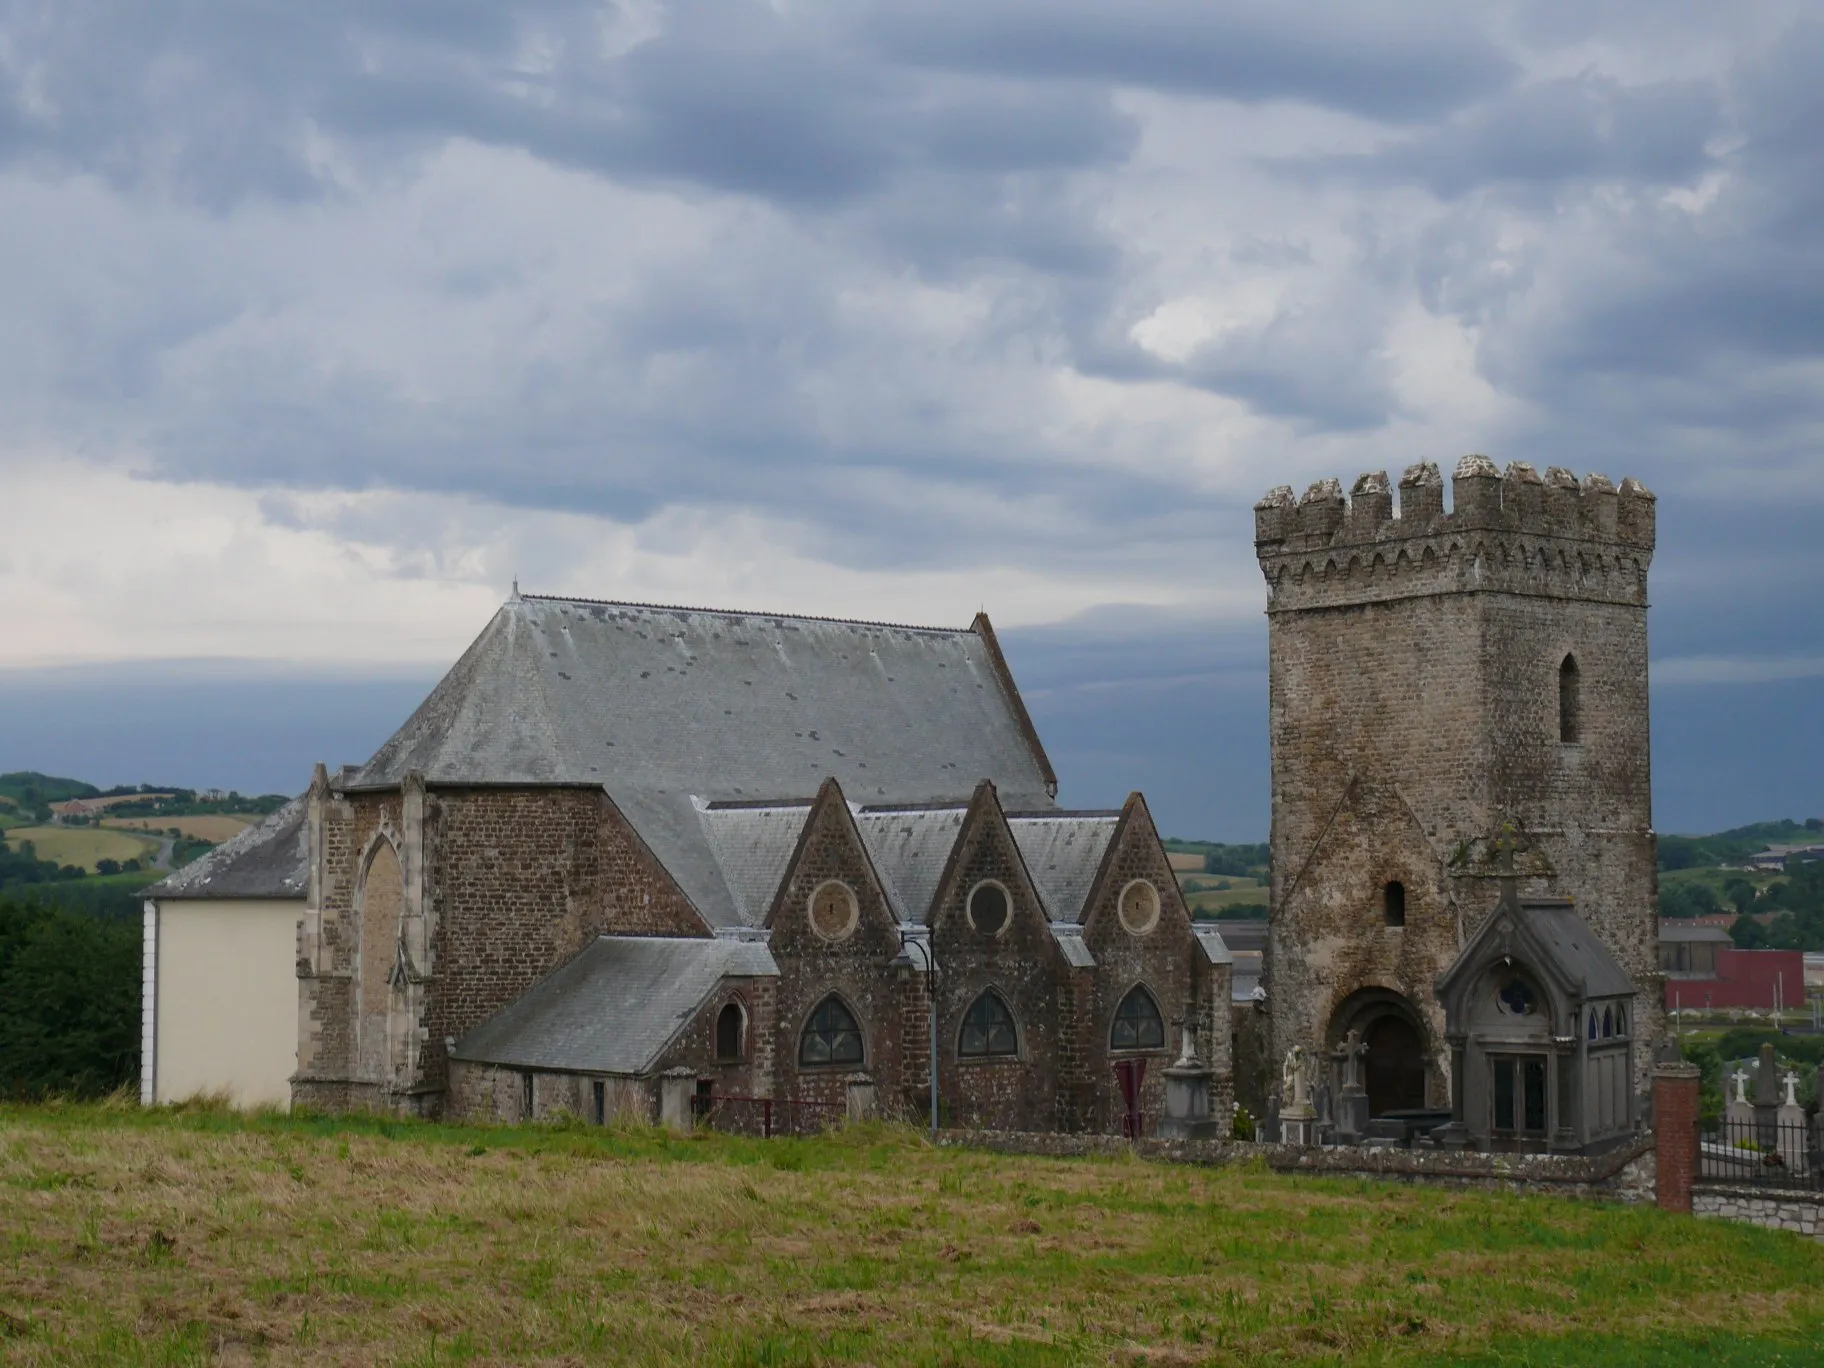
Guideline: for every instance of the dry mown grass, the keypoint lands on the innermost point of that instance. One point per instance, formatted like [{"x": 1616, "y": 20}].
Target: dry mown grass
[
  {"x": 198, "y": 1237},
  {"x": 214, "y": 827},
  {"x": 84, "y": 846}
]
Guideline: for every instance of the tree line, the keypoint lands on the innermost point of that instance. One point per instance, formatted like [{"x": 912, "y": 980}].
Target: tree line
[{"x": 69, "y": 1000}]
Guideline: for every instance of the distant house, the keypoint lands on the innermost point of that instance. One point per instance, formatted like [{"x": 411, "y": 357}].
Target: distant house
[
  {"x": 219, "y": 1002},
  {"x": 1775, "y": 858},
  {"x": 1705, "y": 972}
]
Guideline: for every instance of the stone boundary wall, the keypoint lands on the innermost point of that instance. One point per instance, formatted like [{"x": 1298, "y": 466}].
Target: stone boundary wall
[
  {"x": 1626, "y": 1174},
  {"x": 1802, "y": 1212}
]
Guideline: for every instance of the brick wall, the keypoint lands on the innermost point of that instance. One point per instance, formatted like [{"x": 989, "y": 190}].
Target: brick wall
[{"x": 1675, "y": 1132}]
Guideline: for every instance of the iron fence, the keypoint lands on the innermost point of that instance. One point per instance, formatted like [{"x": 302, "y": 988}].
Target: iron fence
[
  {"x": 1763, "y": 1153},
  {"x": 766, "y": 1116}
]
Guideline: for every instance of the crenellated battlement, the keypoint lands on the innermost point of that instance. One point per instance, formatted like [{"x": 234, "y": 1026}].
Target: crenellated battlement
[{"x": 1514, "y": 531}]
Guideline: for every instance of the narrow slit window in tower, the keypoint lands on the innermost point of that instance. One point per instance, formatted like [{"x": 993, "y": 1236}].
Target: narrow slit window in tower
[
  {"x": 1393, "y": 903},
  {"x": 1570, "y": 721}
]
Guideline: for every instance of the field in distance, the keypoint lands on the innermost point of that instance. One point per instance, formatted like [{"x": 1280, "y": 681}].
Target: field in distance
[
  {"x": 84, "y": 846},
  {"x": 160, "y": 1237},
  {"x": 1209, "y": 893},
  {"x": 213, "y": 827}
]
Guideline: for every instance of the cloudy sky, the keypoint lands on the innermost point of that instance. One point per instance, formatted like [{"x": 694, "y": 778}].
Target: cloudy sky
[{"x": 326, "y": 320}]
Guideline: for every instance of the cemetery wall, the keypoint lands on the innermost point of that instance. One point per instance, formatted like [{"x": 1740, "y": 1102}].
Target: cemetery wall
[
  {"x": 1801, "y": 1212},
  {"x": 1623, "y": 1175}
]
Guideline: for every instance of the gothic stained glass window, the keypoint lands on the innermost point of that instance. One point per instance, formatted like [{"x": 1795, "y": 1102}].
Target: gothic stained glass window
[
  {"x": 1138, "y": 1025},
  {"x": 831, "y": 1036},
  {"x": 1516, "y": 998},
  {"x": 988, "y": 1029}
]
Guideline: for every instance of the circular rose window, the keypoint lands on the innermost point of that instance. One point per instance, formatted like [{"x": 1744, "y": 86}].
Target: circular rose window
[
  {"x": 988, "y": 908},
  {"x": 834, "y": 910},
  {"x": 1139, "y": 907}
]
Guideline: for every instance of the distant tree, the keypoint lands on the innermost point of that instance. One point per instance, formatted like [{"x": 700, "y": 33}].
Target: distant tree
[
  {"x": 107, "y": 866},
  {"x": 69, "y": 1001},
  {"x": 130, "y": 866},
  {"x": 1740, "y": 894},
  {"x": 1748, "y": 934}
]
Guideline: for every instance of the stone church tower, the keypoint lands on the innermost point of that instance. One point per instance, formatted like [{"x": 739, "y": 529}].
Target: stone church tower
[{"x": 1454, "y": 696}]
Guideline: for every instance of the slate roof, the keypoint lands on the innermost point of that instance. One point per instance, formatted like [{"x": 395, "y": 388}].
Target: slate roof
[
  {"x": 668, "y": 707},
  {"x": 1063, "y": 853},
  {"x": 910, "y": 848},
  {"x": 1577, "y": 948},
  {"x": 268, "y": 860},
  {"x": 616, "y": 1006},
  {"x": 752, "y": 845}
]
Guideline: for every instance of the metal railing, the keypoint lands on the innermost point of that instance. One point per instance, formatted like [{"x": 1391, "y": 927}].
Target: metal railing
[
  {"x": 766, "y": 1116},
  {"x": 1761, "y": 1153}
]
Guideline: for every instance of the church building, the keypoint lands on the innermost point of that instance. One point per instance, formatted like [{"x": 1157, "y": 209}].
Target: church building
[{"x": 631, "y": 861}]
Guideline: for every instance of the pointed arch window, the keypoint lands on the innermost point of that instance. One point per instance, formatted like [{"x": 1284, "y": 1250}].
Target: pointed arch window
[
  {"x": 988, "y": 1029},
  {"x": 730, "y": 1022},
  {"x": 1608, "y": 1022},
  {"x": 1137, "y": 1024},
  {"x": 1570, "y": 701},
  {"x": 831, "y": 1036},
  {"x": 1592, "y": 1023},
  {"x": 1393, "y": 903}
]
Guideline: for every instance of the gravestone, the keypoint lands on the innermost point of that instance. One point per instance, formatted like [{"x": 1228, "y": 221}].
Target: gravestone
[
  {"x": 1352, "y": 1098},
  {"x": 1791, "y": 1125},
  {"x": 1187, "y": 1096},
  {"x": 1738, "y": 1115},
  {"x": 1766, "y": 1099}
]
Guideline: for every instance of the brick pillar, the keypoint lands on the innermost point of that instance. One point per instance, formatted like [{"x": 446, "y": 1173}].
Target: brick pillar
[{"x": 1675, "y": 1133}]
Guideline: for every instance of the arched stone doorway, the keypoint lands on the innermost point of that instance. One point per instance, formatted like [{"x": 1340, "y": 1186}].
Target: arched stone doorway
[{"x": 1397, "y": 1061}]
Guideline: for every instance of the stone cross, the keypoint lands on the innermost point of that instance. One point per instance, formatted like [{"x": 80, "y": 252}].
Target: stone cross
[
  {"x": 1350, "y": 1054},
  {"x": 1792, "y": 1082},
  {"x": 1740, "y": 1079}
]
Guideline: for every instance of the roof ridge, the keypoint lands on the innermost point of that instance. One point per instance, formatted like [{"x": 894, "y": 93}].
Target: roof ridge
[{"x": 747, "y": 613}]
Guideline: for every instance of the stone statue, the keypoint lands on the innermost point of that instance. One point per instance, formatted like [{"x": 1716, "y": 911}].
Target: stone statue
[
  {"x": 1740, "y": 1079},
  {"x": 1792, "y": 1082},
  {"x": 1296, "y": 1076}
]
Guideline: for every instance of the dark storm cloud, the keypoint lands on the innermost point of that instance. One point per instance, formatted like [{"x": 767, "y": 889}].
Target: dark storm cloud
[
  {"x": 1387, "y": 61},
  {"x": 975, "y": 149},
  {"x": 1554, "y": 135}
]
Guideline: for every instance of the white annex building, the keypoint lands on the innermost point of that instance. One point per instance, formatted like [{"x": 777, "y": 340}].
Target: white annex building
[{"x": 220, "y": 981}]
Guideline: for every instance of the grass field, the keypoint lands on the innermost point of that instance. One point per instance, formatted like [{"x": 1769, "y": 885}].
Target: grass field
[
  {"x": 198, "y": 1237},
  {"x": 212, "y": 827},
  {"x": 83, "y": 846},
  {"x": 1184, "y": 863},
  {"x": 1208, "y": 898}
]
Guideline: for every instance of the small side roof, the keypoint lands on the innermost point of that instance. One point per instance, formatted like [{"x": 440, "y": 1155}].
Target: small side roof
[
  {"x": 268, "y": 860},
  {"x": 616, "y": 1006}
]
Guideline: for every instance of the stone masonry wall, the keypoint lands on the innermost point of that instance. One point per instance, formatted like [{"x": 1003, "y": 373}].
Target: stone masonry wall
[
  {"x": 1413, "y": 667},
  {"x": 1800, "y": 1212},
  {"x": 515, "y": 882}
]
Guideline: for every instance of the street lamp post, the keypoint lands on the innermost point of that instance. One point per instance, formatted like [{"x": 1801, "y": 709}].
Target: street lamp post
[{"x": 902, "y": 966}]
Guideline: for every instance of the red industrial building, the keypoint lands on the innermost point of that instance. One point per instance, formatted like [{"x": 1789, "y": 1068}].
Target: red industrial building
[{"x": 1705, "y": 972}]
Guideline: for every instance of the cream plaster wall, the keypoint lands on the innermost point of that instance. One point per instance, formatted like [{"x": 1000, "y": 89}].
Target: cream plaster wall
[{"x": 226, "y": 1015}]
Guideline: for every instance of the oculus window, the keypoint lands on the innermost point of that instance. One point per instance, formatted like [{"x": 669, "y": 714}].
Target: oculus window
[
  {"x": 988, "y": 908},
  {"x": 834, "y": 910},
  {"x": 1139, "y": 907}
]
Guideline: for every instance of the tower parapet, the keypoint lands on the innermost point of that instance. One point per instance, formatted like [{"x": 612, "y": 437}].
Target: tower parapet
[{"x": 1512, "y": 531}]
